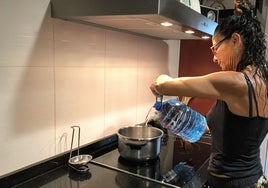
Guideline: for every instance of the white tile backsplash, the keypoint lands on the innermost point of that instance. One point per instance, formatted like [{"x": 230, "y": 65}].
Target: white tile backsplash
[
  {"x": 26, "y": 116},
  {"x": 55, "y": 74},
  {"x": 120, "y": 98},
  {"x": 79, "y": 94}
]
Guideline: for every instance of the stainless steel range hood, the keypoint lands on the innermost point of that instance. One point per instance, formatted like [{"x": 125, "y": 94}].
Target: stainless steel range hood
[{"x": 142, "y": 17}]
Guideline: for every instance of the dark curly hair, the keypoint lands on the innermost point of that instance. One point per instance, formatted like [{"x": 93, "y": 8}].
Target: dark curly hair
[{"x": 253, "y": 39}]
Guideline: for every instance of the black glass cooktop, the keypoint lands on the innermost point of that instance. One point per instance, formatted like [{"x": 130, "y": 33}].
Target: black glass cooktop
[
  {"x": 96, "y": 177},
  {"x": 174, "y": 151},
  {"x": 109, "y": 169}
]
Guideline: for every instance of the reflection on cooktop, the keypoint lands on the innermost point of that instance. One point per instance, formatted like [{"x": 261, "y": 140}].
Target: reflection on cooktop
[
  {"x": 149, "y": 168},
  {"x": 194, "y": 154},
  {"x": 173, "y": 152}
]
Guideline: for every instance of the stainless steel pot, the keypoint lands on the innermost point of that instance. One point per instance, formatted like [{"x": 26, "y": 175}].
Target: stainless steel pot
[{"x": 139, "y": 143}]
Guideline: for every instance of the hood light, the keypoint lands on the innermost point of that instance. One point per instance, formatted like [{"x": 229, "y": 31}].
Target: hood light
[
  {"x": 205, "y": 37},
  {"x": 189, "y": 31},
  {"x": 166, "y": 24}
]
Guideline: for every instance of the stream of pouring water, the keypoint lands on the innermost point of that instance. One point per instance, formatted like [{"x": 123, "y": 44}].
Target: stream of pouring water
[{"x": 147, "y": 118}]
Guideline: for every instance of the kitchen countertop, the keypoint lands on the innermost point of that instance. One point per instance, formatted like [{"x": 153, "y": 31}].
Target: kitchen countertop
[
  {"x": 97, "y": 176},
  {"x": 55, "y": 172}
]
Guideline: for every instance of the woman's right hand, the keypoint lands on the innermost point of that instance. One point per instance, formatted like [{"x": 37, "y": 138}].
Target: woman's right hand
[{"x": 159, "y": 80}]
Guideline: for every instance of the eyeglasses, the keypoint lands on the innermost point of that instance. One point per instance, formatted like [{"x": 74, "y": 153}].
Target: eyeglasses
[{"x": 217, "y": 45}]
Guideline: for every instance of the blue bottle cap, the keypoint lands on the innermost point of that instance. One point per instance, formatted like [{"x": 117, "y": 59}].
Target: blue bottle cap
[{"x": 158, "y": 102}]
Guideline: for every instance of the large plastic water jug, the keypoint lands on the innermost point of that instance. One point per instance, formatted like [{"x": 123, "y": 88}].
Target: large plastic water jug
[{"x": 180, "y": 119}]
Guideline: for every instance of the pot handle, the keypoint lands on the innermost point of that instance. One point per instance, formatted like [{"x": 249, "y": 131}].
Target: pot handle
[{"x": 135, "y": 145}]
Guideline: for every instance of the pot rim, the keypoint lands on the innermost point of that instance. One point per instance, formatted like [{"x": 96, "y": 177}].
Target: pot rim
[{"x": 138, "y": 138}]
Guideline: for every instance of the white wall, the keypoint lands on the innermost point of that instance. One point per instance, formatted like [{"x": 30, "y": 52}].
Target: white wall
[{"x": 55, "y": 74}]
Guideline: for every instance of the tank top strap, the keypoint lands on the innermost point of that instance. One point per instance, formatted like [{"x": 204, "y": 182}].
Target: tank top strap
[{"x": 251, "y": 94}]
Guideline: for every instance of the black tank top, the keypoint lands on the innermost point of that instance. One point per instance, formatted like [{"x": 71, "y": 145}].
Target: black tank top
[{"x": 236, "y": 139}]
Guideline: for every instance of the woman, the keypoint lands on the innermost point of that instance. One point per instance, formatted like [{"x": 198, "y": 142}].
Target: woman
[{"x": 238, "y": 121}]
